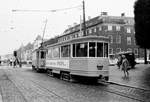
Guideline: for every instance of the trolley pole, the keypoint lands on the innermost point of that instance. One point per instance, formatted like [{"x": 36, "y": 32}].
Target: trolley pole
[
  {"x": 44, "y": 33},
  {"x": 84, "y": 25}
]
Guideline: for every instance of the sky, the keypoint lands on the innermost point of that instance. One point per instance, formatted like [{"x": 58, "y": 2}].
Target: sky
[{"x": 20, "y": 28}]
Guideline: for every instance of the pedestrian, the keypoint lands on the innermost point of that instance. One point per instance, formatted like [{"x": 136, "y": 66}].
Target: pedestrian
[
  {"x": 125, "y": 65},
  {"x": 14, "y": 62}
]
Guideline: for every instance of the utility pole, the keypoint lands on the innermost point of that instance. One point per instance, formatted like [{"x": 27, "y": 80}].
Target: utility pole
[{"x": 84, "y": 25}]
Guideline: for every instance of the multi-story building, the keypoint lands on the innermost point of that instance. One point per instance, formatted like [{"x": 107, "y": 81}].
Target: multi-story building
[
  {"x": 24, "y": 53},
  {"x": 120, "y": 30}
]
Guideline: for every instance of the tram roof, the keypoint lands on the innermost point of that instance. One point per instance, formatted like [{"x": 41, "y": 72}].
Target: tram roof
[{"x": 82, "y": 39}]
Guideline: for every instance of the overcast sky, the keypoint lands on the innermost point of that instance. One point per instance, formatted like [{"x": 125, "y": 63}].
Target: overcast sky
[{"x": 17, "y": 28}]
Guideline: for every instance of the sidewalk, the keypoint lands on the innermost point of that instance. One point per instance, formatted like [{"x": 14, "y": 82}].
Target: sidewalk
[{"x": 138, "y": 77}]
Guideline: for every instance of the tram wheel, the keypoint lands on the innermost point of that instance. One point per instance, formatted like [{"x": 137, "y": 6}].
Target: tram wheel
[
  {"x": 49, "y": 72},
  {"x": 65, "y": 76}
]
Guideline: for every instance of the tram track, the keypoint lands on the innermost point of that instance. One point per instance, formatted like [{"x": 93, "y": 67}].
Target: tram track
[
  {"x": 46, "y": 90},
  {"x": 110, "y": 90},
  {"x": 40, "y": 86},
  {"x": 113, "y": 83},
  {"x": 106, "y": 90},
  {"x": 20, "y": 98},
  {"x": 134, "y": 93}
]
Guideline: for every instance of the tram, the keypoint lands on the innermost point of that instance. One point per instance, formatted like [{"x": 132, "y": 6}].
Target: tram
[
  {"x": 85, "y": 57},
  {"x": 38, "y": 59}
]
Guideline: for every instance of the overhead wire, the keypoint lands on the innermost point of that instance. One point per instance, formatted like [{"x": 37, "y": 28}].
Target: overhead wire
[{"x": 55, "y": 10}]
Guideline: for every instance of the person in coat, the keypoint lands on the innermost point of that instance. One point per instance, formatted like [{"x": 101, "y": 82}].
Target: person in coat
[{"x": 125, "y": 65}]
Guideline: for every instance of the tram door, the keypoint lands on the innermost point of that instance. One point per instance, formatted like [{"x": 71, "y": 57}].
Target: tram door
[
  {"x": 37, "y": 59},
  {"x": 41, "y": 57}
]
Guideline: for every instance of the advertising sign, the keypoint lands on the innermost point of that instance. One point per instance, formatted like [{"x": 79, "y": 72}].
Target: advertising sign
[{"x": 58, "y": 63}]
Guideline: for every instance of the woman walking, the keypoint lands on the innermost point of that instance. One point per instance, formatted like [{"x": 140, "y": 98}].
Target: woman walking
[{"x": 125, "y": 65}]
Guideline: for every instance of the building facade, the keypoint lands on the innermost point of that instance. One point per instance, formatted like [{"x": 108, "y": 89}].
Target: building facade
[{"x": 120, "y": 30}]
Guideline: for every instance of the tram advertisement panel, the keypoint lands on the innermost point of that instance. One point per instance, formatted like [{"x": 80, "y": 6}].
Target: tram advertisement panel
[{"x": 58, "y": 63}]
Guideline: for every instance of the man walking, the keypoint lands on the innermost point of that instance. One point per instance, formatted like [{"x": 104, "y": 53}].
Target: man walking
[{"x": 125, "y": 65}]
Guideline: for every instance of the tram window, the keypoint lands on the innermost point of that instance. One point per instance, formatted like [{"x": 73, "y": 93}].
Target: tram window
[
  {"x": 81, "y": 50},
  {"x": 92, "y": 46},
  {"x": 105, "y": 50},
  {"x": 65, "y": 51},
  {"x": 99, "y": 49},
  {"x": 74, "y": 50},
  {"x": 56, "y": 52},
  {"x": 42, "y": 54},
  {"x": 49, "y": 55}
]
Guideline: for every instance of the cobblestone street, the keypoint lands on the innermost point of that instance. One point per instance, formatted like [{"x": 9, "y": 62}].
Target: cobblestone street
[{"x": 25, "y": 85}]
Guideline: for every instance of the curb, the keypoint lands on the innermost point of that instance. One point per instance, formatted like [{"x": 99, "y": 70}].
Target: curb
[{"x": 128, "y": 86}]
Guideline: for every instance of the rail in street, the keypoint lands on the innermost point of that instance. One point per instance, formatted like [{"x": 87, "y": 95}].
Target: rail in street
[
  {"x": 9, "y": 92},
  {"x": 130, "y": 92},
  {"x": 30, "y": 86}
]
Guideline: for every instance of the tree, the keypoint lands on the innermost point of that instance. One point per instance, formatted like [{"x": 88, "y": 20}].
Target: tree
[{"x": 142, "y": 24}]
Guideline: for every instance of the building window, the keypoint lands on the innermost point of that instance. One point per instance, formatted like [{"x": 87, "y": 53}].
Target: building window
[
  {"x": 128, "y": 30},
  {"x": 99, "y": 28},
  {"x": 65, "y": 51},
  {"x": 118, "y": 39},
  {"x": 90, "y": 31},
  {"x": 136, "y": 51},
  {"x": 110, "y": 50},
  {"x": 80, "y": 33},
  {"x": 111, "y": 38},
  {"x": 109, "y": 27},
  {"x": 118, "y": 50},
  {"x": 76, "y": 35},
  {"x": 128, "y": 40},
  {"x": 117, "y": 28},
  {"x": 95, "y": 29}
]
